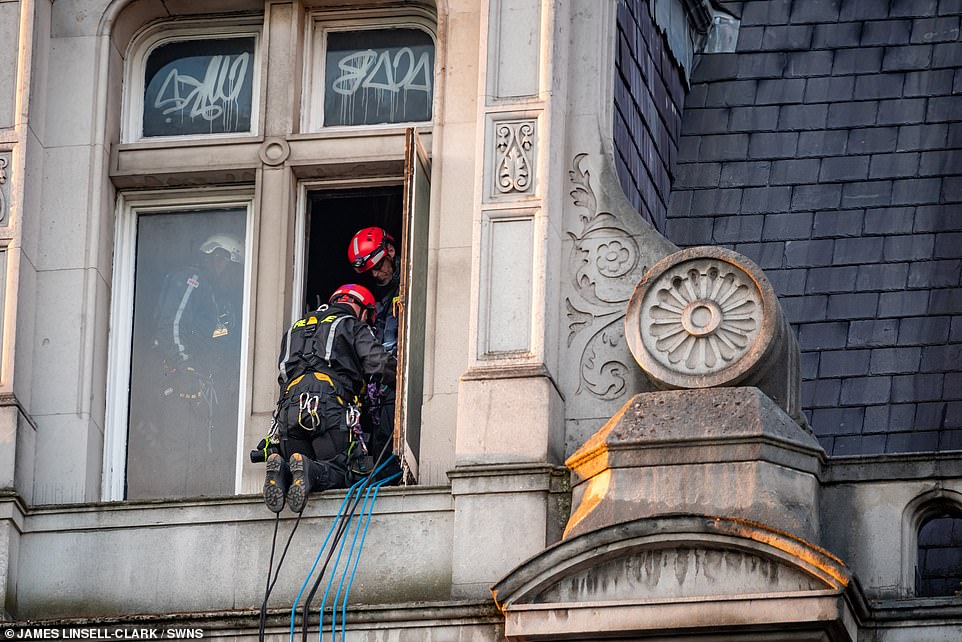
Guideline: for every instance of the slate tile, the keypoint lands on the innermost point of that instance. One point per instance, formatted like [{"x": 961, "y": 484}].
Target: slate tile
[
  {"x": 871, "y": 333},
  {"x": 802, "y": 64},
  {"x": 791, "y": 172},
  {"x": 821, "y": 143},
  {"x": 865, "y": 390},
  {"x": 816, "y": 197},
  {"x": 930, "y": 416},
  {"x": 935, "y": 274},
  {"x": 814, "y": 253},
  {"x": 857, "y": 305},
  {"x": 737, "y": 229},
  {"x": 944, "y": 108},
  {"x": 866, "y": 249},
  {"x": 766, "y": 12},
  {"x": 864, "y": 10},
  {"x": 830, "y": 280},
  {"x": 902, "y": 416},
  {"x": 689, "y": 231},
  {"x": 944, "y": 29},
  {"x": 744, "y": 174},
  {"x": 944, "y": 358},
  {"x": 911, "y": 57},
  {"x": 749, "y": 38},
  {"x": 815, "y": 11},
  {"x": 780, "y": 91},
  {"x": 957, "y": 82},
  {"x": 787, "y": 282},
  {"x": 836, "y": 35},
  {"x": 794, "y": 117},
  {"x": 902, "y": 304},
  {"x": 834, "y": 421},
  {"x": 823, "y": 336},
  {"x": 822, "y": 393},
  {"x": 924, "y": 330},
  {"x": 837, "y": 224},
  {"x": 773, "y": 145},
  {"x": 916, "y": 191},
  {"x": 901, "y": 112},
  {"x": 827, "y": 443},
  {"x": 844, "y": 168},
  {"x": 706, "y": 121},
  {"x": 753, "y": 119},
  {"x": 948, "y": 245},
  {"x": 950, "y": 7},
  {"x": 885, "y": 32},
  {"x": 720, "y": 66},
  {"x": 731, "y": 93},
  {"x": 889, "y": 220},
  {"x": 864, "y": 60},
  {"x": 852, "y": 114},
  {"x": 764, "y": 200},
  {"x": 952, "y": 189},
  {"x": 894, "y": 165},
  {"x": 894, "y": 361},
  {"x": 955, "y": 332},
  {"x": 833, "y": 89},
  {"x": 723, "y": 147},
  {"x": 695, "y": 175},
  {"x": 913, "y": 8},
  {"x": 805, "y": 309},
  {"x": 679, "y": 203},
  {"x": 924, "y": 137},
  {"x": 709, "y": 202},
  {"x": 688, "y": 148},
  {"x": 931, "y": 82},
  {"x": 940, "y": 163},
  {"x": 787, "y": 37},
  {"x": 946, "y": 54},
  {"x": 872, "y": 140},
  {"x": 762, "y": 65},
  {"x": 867, "y": 194},
  {"x": 912, "y": 442},
  {"x": 846, "y": 445},
  {"x": 884, "y": 276},
  {"x": 911, "y": 247},
  {"x": 876, "y": 86},
  {"x": 767, "y": 255},
  {"x": 917, "y": 387}
]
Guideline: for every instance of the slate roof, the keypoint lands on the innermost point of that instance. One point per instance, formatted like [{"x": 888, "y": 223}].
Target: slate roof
[{"x": 826, "y": 148}]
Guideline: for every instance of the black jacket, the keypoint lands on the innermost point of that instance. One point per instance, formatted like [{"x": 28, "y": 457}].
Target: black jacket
[{"x": 334, "y": 341}]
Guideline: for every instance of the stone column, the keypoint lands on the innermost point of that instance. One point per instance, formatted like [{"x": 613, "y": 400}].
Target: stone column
[{"x": 510, "y": 410}]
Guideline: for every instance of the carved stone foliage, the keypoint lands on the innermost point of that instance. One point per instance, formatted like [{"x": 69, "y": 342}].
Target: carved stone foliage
[
  {"x": 4, "y": 163},
  {"x": 604, "y": 254},
  {"x": 514, "y": 149}
]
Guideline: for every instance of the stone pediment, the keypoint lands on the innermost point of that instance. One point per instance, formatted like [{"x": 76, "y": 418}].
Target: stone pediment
[{"x": 654, "y": 576}]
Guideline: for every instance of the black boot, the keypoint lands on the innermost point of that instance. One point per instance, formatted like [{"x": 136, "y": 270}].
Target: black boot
[
  {"x": 306, "y": 476},
  {"x": 275, "y": 483}
]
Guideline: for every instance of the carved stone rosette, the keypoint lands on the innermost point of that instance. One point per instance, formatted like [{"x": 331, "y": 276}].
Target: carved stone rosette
[
  {"x": 514, "y": 150},
  {"x": 706, "y": 317}
]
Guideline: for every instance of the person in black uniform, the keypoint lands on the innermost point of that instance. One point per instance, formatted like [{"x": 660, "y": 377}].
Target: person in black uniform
[{"x": 326, "y": 359}]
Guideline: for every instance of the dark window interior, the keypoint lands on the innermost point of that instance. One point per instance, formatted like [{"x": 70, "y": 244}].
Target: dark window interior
[
  {"x": 333, "y": 218},
  {"x": 939, "y": 571}
]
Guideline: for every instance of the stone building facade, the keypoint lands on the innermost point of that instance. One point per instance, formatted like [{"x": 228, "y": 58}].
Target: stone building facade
[{"x": 755, "y": 437}]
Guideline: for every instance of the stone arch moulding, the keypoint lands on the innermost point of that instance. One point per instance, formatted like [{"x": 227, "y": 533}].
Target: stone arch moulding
[
  {"x": 681, "y": 574},
  {"x": 914, "y": 513}
]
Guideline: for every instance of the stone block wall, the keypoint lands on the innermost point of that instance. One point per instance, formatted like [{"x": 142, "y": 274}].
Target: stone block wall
[{"x": 825, "y": 148}]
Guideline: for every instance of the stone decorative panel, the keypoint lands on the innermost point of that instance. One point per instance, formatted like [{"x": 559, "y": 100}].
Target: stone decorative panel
[
  {"x": 514, "y": 153},
  {"x": 507, "y": 277},
  {"x": 4, "y": 188}
]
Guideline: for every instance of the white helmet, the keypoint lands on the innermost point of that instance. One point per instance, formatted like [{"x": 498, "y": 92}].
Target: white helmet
[{"x": 231, "y": 244}]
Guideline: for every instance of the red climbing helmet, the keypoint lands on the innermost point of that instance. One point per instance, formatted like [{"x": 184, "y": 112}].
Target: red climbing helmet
[
  {"x": 353, "y": 293},
  {"x": 368, "y": 248}
]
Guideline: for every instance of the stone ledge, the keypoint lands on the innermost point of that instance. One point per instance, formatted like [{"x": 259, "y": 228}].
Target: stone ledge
[{"x": 892, "y": 467}]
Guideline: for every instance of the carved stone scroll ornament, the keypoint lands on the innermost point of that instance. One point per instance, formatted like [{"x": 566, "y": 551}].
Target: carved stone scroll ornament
[
  {"x": 515, "y": 145},
  {"x": 604, "y": 253},
  {"x": 707, "y": 317}
]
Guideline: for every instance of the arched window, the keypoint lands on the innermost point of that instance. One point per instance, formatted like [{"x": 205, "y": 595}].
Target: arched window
[{"x": 939, "y": 568}]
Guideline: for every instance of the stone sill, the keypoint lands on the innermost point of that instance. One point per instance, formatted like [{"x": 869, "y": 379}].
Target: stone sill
[{"x": 917, "y": 609}]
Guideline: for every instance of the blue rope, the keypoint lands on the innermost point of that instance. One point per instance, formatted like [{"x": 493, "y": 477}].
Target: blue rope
[
  {"x": 317, "y": 559},
  {"x": 347, "y": 565},
  {"x": 357, "y": 558}
]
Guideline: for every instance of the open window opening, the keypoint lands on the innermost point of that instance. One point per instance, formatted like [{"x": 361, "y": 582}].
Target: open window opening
[
  {"x": 332, "y": 217},
  {"x": 939, "y": 569}
]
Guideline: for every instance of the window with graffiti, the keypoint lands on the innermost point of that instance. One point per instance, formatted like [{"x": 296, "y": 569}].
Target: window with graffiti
[
  {"x": 199, "y": 86},
  {"x": 378, "y": 76}
]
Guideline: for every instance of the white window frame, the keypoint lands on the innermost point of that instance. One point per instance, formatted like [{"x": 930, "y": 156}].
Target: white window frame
[
  {"x": 129, "y": 209},
  {"x": 135, "y": 69},
  {"x": 320, "y": 23}
]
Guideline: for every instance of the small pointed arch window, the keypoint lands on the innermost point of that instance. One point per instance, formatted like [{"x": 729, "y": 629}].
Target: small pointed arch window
[{"x": 938, "y": 571}]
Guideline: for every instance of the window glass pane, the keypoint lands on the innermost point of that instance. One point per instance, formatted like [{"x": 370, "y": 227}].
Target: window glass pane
[
  {"x": 185, "y": 354},
  {"x": 199, "y": 86},
  {"x": 378, "y": 76},
  {"x": 939, "y": 572}
]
